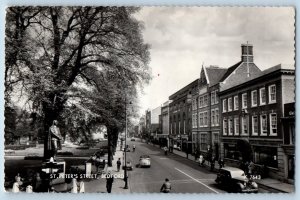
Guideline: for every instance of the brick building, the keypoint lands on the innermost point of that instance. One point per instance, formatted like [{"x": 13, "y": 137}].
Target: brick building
[
  {"x": 205, "y": 117},
  {"x": 180, "y": 117},
  {"x": 252, "y": 111}
]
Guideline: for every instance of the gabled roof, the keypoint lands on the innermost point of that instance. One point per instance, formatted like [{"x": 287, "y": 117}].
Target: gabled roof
[
  {"x": 230, "y": 70},
  {"x": 214, "y": 74}
]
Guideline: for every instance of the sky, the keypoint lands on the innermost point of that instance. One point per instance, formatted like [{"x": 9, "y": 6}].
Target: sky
[{"x": 182, "y": 39}]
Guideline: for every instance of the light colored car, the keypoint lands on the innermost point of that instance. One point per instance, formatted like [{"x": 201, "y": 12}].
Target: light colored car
[
  {"x": 144, "y": 161},
  {"x": 235, "y": 180}
]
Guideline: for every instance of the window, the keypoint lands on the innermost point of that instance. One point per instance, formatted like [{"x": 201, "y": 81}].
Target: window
[
  {"x": 217, "y": 117},
  {"x": 253, "y": 98},
  {"x": 272, "y": 94},
  {"x": 245, "y": 125},
  {"x": 212, "y": 97},
  {"x": 236, "y": 102},
  {"x": 244, "y": 100},
  {"x": 203, "y": 141},
  {"x": 200, "y": 119},
  {"x": 194, "y": 121},
  {"x": 273, "y": 124},
  {"x": 205, "y": 100},
  {"x": 230, "y": 104},
  {"x": 224, "y": 126},
  {"x": 262, "y": 96},
  {"x": 205, "y": 119},
  {"x": 230, "y": 126},
  {"x": 212, "y": 117},
  {"x": 224, "y": 105},
  {"x": 263, "y": 125},
  {"x": 236, "y": 126},
  {"x": 200, "y": 102},
  {"x": 216, "y": 97},
  {"x": 254, "y": 125}
]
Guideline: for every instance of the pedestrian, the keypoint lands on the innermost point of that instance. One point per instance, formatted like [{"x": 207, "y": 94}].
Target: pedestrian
[
  {"x": 16, "y": 187},
  {"x": 118, "y": 164},
  {"x": 201, "y": 160},
  {"x": 166, "y": 187},
  {"x": 133, "y": 148},
  {"x": 29, "y": 189},
  {"x": 74, "y": 188},
  {"x": 37, "y": 183},
  {"x": 81, "y": 186},
  {"x": 18, "y": 179},
  {"x": 250, "y": 168},
  {"x": 166, "y": 150},
  {"x": 221, "y": 163},
  {"x": 109, "y": 181}
]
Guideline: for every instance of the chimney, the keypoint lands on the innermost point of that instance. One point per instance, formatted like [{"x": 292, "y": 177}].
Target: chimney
[{"x": 247, "y": 53}]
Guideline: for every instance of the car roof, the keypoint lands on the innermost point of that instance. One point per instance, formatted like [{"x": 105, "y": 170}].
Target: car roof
[{"x": 231, "y": 169}]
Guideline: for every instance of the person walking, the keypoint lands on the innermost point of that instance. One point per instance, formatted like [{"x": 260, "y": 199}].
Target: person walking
[
  {"x": 201, "y": 160},
  {"x": 166, "y": 186},
  {"x": 74, "y": 188},
  {"x": 81, "y": 187},
  {"x": 133, "y": 148},
  {"x": 166, "y": 150},
  {"x": 109, "y": 181},
  {"x": 118, "y": 164}
]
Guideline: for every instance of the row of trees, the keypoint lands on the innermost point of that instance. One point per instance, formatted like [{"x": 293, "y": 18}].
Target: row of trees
[{"x": 80, "y": 65}]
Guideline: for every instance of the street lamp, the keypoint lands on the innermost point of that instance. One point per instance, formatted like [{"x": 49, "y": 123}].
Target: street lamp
[{"x": 125, "y": 155}]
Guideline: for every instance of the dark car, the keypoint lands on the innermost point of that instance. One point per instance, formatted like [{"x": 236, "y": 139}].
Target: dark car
[
  {"x": 127, "y": 149},
  {"x": 128, "y": 166},
  {"x": 235, "y": 180},
  {"x": 132, "y": 139}
]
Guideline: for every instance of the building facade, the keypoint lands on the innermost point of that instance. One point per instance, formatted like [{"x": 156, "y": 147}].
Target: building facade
[
  {"x": 164, "y": 125},
  {"x": 252, "y": 112},
  {"x": 180, "y": 117},
  {"x": 205, "y": 117}
]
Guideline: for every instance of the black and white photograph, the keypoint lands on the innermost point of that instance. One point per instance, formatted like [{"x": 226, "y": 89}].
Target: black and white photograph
[{"x": 161, "y": 99}]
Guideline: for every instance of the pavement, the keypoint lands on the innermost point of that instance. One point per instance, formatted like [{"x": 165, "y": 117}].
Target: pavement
[{"x": 99, "y": 185}]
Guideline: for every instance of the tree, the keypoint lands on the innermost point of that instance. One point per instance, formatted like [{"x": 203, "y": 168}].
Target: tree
[{"x": 63, "y": 50}]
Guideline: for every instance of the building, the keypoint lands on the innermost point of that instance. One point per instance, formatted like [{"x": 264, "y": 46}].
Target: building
[
  {"x": 205, "y": 117},
  {"x": 253, "y": 109},
  {"x": 142, "y": 127},
  {"x": 155, "y": 129},
  {"x": 180, "y": 117},
  {"x": 148, "y": 125},
  {"x": 164, "y": 125}
]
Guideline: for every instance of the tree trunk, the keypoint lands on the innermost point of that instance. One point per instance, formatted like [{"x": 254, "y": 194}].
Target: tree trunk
[{"x": 112, "y": 133}]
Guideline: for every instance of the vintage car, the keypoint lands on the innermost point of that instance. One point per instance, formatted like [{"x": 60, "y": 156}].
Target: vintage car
[
  {"x": 235, "y": 180},
  {"x": 144, "y": 161},
  {"x": 132, "y": 139},
  {"x": 128, "y": 166}
]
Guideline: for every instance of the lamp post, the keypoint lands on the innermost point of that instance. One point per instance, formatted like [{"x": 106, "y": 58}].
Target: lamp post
[{"x": 125, "y": 154}]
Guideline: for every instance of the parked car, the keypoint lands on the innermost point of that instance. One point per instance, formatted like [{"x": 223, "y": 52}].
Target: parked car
[
  {"x": 133, "y": 139},
  {"x": 144, "y": 161},
  {"x": 235, "y": 180},
  {"x": 127, "y": 149},
  {"x": 128, "y": 166}
]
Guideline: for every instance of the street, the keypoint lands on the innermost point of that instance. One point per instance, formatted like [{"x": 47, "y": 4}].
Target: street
[{"x": 185, "y": 175}]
